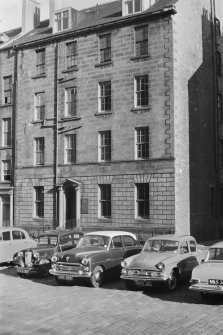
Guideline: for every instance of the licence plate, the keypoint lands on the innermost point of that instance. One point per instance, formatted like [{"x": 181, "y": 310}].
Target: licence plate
[
  {"x": 65, "y": 277},
  {"x": 215, "y": 281},
  {"x": 143, "y": 283},
  {"x": 21, "y": 270}
]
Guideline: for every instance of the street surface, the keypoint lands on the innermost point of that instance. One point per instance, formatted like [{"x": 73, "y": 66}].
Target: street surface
[{"x": 39, "y": 306}]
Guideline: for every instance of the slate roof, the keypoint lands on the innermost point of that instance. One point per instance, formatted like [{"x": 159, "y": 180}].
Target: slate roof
[{"x": 94, "y": 16}]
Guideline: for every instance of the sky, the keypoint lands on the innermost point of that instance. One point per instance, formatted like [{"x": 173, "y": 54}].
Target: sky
[{"x": 11, "y": 11}]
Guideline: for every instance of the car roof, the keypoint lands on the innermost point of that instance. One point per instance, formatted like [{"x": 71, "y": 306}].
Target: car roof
[
  {"x": 172, "y": 237},
  {"x": 112, "y": 233},
  {"x": 12, "y": 228},
  {"x": 60, "y": 232},
  {"x": 217, "y": 245}
]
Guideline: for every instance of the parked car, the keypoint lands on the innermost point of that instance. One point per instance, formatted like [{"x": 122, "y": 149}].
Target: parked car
[
  {"x": 13, "y": 239},
  {"x": 207, "y": 278},
  {"x": 37, "y": 260},
  {"x": 164, "y": 259},
  {"x": 97, "y": 254}
]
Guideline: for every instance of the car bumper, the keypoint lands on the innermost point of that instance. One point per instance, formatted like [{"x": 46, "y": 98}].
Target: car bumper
[
  {"x": 207, "y": 288},
  {"x": 26, "y": 271},
  {"x": 148, "y": 281},
  {"x": 64, "y": 275}
]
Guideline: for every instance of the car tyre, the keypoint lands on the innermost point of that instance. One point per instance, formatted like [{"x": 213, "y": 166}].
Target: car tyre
[
  {"x": 172, "y": 282},
  {"x": 130, "y": 285},
  {"x": 97, "y": 277},
  {"x": 205, "y": 296}
]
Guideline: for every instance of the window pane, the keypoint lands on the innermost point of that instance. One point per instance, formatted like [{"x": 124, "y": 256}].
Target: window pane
[
  {"x": 105, "y": 200},
  {"x": 105, "y": 145},
  {"x": 39, "y": 201},
  {"x": 39, "y": 150},
  {"x": 71, "y": 148},
  {"x": 142, "y": 200},
  {"x": 105, "y": 48},
  {"x": 105, "y": 96},
  {"x": 70, "y": 101},
  {"x": 142, "y": 94}
]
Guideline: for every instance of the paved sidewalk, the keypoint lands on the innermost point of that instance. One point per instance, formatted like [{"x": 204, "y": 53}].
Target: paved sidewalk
[{"x": 39, "y": 306}]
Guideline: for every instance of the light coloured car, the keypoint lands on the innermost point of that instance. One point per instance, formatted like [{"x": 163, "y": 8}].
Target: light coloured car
[
  {"x": 164, "y": 259},
  {"x": 97, "y": 255},
  {"x": 207, "y": 278},
  {"x": 12, "y": 240}
]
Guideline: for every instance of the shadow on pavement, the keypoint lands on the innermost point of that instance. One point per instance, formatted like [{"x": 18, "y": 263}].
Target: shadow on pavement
[{"x": 181, "y": 295}]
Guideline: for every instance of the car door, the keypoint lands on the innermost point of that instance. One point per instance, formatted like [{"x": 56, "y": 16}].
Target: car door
[
  {"x": 117, "y": 252},
  {"x": 131, "y": 246},
  {"x": 187, "y": 260},
  {"x": 6, "y": 247}
]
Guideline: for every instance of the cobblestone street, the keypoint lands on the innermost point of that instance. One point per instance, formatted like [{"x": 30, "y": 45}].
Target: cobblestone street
[{"x": 40, "y": 306}]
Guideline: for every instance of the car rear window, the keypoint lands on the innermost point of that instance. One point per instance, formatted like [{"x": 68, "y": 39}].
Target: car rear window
[
  {"x": 129, "y": 241},
  {"x": 16, "y": 235}
]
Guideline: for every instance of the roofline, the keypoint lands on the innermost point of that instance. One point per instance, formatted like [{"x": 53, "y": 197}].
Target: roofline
[{"x": 124, "y": 20}]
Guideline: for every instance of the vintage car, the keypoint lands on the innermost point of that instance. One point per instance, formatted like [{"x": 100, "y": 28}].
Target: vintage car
[
  {"x": 97, "y": 254},
  {"x": 13, "y": 239},
  {"x": 207, "y": 278},
  {"x": 164, "y": 259},
  {"x": 31, "y": 261}
]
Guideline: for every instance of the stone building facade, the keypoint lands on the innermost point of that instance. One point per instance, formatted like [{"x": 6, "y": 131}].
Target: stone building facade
[{"x": 114, "y": 118}]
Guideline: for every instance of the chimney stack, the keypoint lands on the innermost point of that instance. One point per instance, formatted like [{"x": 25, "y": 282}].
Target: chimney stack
[{"x": 30, "y": 15}]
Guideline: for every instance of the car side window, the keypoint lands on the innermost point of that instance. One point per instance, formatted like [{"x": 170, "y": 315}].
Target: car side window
[
  {"x": 16, "y": 235},
  {"x": 117, "y": 242},
  {"x": 184, "y": 247},
  {"x": 66, "y": 239},
  {"x": 192, "y": 246},
  {"x": 6, "y": 236},
  {"x": 129, "y": 241}
]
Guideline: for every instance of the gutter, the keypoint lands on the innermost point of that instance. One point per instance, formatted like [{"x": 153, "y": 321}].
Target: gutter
[{"x": 169, "y": 10}]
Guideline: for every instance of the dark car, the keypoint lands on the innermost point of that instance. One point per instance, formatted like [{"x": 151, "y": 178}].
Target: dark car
[
  {"x": 97, "y": 254},
  {"x": 38, "y": 260}
]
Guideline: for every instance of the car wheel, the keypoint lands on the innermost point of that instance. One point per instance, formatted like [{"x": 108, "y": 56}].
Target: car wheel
[
  {"x": 44, "y": 271},
  {"x": 205, "y": 296},
  {"x": 97, "y": 277},
  {"x": 172, "y": 282},
  {"x": 130, "y": 285}
]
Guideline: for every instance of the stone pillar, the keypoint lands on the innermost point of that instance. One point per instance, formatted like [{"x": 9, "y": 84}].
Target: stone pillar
[
  {"x": 11, "y": 208},
  {"x": 61, "y": 207}
]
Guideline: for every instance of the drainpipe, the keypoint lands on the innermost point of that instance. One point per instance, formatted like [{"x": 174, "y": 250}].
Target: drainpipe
[
  {"x": 55, "y": 133},
  {"x": 215, "y": 77},
  {"x": 14, "y": 115}
]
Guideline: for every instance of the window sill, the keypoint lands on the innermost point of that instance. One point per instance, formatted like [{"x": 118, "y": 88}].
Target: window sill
[
  {"x": 39, "y": 76},
  {"x": 103, "y": 113},
  {"x": 70, "y": 118},
  {"x": 135, "y": 58},
  {"x": 104, "y": 64},
  {"x": 140, "y": 110},
  {"x": 6, "y": 105},
  {"x": 102, "y": 219},
  {"x": 37, "y": 121},
  {"x": 72, "y": 69},
  {"x": 6, "y": 148},
  {"x": 142, "y": 220}
]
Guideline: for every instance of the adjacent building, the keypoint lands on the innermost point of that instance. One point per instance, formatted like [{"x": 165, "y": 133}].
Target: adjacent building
[{"x": 111, "y": 118}]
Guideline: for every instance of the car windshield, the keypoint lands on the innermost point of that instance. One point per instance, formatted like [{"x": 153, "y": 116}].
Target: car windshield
[
  {"x": 161, "y": 246},
  {"x": 48, "y": 240},
  {"x": 95, "y": 240},
  {"x": 215, "y": 254}
]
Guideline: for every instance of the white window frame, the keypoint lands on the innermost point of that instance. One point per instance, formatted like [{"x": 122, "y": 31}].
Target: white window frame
[
  {"x": 6, "y": 167},
  {"x": 39, "y": 106},
  {"x": 133, "y": 2},
  {"x": 7, "y": 96},
  {"x": 70, "y": 106},
  {"x": 101, "y": 97},
  {"x": 6, "y": 132},
  {"x": 71, "y": 57},
  {"x": 137, "y": 129},
  {"x": 66, "y": 148},
  {"x": 137, "y": 202},
  {"x": 106, "y": 147},
  {"x": 136, "y": 105},
  {"x": 60, "y": 17},
  {"x": 39, "y": 143}
]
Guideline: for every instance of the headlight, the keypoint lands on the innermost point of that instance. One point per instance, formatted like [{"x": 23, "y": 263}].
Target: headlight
[
  {"x": 36, "y": 255},
  {"x": 124, "y": 264},
  {"x": 85, "y": 261},
  {"x": 160, "y": 266},
  {"x": 194, "y": 281},
  {"x": 54, "y": 259}
]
